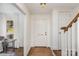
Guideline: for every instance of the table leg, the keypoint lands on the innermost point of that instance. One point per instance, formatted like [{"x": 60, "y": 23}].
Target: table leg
[{"x": 13, "y": 45}]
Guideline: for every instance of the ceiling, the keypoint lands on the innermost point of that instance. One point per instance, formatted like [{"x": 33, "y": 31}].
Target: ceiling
[{"x": 35, "y": 8}]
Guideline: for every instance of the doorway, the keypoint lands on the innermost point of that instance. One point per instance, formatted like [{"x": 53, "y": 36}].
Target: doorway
[{"x": 40, "y": 30}]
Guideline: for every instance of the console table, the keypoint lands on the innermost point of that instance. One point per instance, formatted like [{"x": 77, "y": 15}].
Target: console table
[{"x": 6, "y": 42}]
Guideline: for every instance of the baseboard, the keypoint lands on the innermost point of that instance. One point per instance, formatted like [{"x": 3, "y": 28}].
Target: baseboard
[
  {"x": 26, "y": 52},
  {"x": 29, "y": 51},
  {"x": 15, "y": 48},
  {"x": 56, "y": 50},
  {"x": 52, "y": 51},
  {"x": 41, "y": 47}
]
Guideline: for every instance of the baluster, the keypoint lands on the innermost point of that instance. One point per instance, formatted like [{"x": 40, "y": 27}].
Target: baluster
[
  {"x": 78, "y": 37},
  {"x": 73, "y": 39},
  {"x": 69, "y": 42},
  {"x": 63, "y": 42},
  {"x": 66, "y": 39}
]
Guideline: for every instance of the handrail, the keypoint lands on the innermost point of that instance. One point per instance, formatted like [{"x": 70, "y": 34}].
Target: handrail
[{"x": 70, "y": 24}]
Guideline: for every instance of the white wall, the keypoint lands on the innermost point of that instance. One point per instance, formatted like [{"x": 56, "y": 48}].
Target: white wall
[
  {"x": 27, "y": 27},
  {"x": 27, "y": 34},
  {"x": 54, "y": 30},
  {"x": 10, "y": 12},
  {"x": 78, "y": 36},
  {"x": 21, "y": 29},
  {"x": 2, "y": 26}
]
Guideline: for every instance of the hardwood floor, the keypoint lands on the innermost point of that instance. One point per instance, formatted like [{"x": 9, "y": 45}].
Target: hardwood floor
[
  {"x": 37, "y": 51},
  {"x": 40, "y": 51},
  {"x": 18, "y": 51}
]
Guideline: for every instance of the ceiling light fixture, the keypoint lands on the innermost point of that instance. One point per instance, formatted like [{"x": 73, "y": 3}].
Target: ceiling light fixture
[{"x": 43, "y": 5}]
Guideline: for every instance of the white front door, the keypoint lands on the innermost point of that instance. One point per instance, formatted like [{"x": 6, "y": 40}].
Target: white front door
[{"x": 41, "y": 33}]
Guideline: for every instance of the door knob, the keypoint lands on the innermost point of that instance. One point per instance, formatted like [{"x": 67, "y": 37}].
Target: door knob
[{"x": 45, "y": 33}]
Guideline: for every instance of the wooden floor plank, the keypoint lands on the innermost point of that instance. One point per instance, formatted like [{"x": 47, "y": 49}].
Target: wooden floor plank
[{"x": 18, "y": 51}]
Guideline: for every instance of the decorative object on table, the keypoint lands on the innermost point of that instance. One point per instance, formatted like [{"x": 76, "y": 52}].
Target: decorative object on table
[{"x": 10, "y": 36}]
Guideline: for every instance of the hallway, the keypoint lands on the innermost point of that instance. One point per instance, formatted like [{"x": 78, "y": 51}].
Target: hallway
[{"x": 42, "y": 29}]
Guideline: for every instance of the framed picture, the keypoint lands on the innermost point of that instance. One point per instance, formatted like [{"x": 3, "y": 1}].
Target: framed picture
[{"x": 10, "y": 26}]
